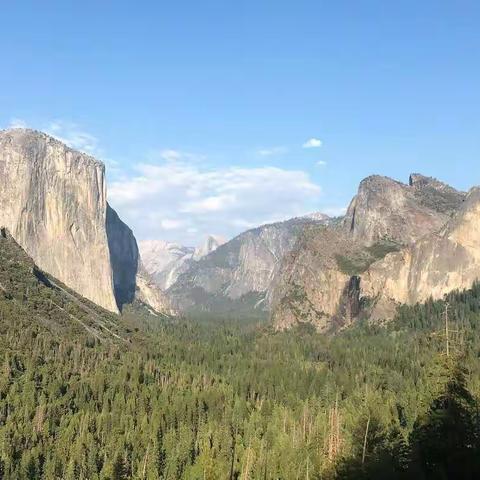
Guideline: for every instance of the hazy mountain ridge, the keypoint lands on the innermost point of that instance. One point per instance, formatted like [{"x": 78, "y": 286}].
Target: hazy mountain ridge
[
  {"x": 166, "y": 261},
  {"x": 239, "y": 273}
]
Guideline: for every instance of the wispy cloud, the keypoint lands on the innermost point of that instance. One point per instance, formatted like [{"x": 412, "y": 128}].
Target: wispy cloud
[
  {"x": 73, "y": 136},
  {"x": 321, "y": 163},
  {"x": 171, "y": 155},
  {"x": 272, "y": 151},
  {"x": 312, "y": 143},
  {"x": 184, "y": 201},
  {"x": 175, "y": 195},
  {"x": 17, "y": 123}
]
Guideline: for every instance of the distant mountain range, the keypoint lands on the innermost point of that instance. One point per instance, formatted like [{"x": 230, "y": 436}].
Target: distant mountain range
[
  {"x": 165, "y": 261},
  {"x": 397, "y": 244}
]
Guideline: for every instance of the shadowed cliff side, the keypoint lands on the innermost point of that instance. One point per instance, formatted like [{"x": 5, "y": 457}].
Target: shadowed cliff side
[{"x": 124, "y": 258}]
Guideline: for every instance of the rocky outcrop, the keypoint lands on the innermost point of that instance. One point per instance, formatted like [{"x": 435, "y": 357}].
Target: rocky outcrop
[
  {"x": 239, "y": 273},
  {"x": 166, "y": 261},
  {"x": 386, "y": 209},
  {"x": 53, "y": 202},
  {"x": 432, "y": 267},
  {"x": 148, "y": 292},
  {"x": 211, "y": 243},
  {"x": 392, "y": 247}
]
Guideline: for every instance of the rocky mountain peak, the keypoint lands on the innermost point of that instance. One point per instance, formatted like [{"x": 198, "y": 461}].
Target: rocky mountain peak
[
  {"x": 31, "y": 140},
  {"x": 398, "y": 243},
  {"x": 388, "y": 209},
  {"x": 210, "y": 244},
  {"x": 418, "y": 180}
]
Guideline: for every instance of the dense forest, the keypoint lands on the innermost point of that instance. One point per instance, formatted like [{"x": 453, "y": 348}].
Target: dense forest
[{"x": 87, "y": 395}]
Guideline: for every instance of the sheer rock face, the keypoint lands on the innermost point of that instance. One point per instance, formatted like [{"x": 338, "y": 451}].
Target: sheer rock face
[
  {"x": 432, "y": 267},
  {"x": 148, "y": 292},
  {"x": 395, "y": 245},
  {"x": 124, "y": 257},
  {"x": 239, "y": 273},
  {"x": 53, "y": 201},
  {"x": 387, "y": 209},
  {"x": 310, "y": 284}
]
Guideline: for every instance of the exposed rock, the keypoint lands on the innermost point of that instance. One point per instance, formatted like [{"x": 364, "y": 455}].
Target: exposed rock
[
  {"x": 124, "y": 258},
  {"x": 148, "y": 292},
  {"x": 310, "y": 283},
  {"x": 391, "y": 247},
  {"x": 166, "y": 261},
  {"x": 434, "y": 266},
  {"x": 211, "y": 243},
  {"x": 239, "y": 273},
  {"x": 53, "y": 201},
  {"x": 386, "y": 209}
]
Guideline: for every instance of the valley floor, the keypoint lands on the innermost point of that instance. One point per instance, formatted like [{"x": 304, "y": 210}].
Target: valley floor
[{"x": 233, "y": 400}]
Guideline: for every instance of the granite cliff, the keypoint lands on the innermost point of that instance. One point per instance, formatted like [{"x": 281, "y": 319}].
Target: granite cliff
[
  {"x": 395, "y": 245},
  {"x": 53, "y": 202}
]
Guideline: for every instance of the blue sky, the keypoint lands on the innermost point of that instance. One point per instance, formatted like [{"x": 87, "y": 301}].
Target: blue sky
[{"x": 200, "y": 109}]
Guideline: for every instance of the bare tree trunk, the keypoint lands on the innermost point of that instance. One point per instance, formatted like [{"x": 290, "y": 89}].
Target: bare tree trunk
[{"x": 365, "y": 441}]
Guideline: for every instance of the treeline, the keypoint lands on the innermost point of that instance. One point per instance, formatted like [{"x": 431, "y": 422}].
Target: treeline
[{"x": 193, "y": 400}]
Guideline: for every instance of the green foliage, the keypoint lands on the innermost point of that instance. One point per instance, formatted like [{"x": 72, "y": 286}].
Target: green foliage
[
  {"x": 359, "y": 261},
  {"x": 231, "y": 400}
]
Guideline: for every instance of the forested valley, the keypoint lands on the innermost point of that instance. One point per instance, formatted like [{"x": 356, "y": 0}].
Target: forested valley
[{"x": 161, "y": 398}]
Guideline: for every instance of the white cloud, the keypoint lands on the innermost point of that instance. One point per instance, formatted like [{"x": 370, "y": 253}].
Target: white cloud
[
  {"x": 312, "y": 143},
  {"x": 272, "y": 151},
  {"x": 74, "y": 136},
  {"x": 185, "y": 201},
  {"x": 170, "y": 155},
  {"x": 169, "y": 224},
  {"x": 17, "y": 123},
  {"x": 321, "y": 163}
]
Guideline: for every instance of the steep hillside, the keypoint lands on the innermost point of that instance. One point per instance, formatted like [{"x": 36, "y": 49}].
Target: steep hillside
[
  {"x": 27, "y": 294},
  {"x": 322, "y": 281},
  {"x": 238, "y": 275},
  {"x": 435, "y": 265}
]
